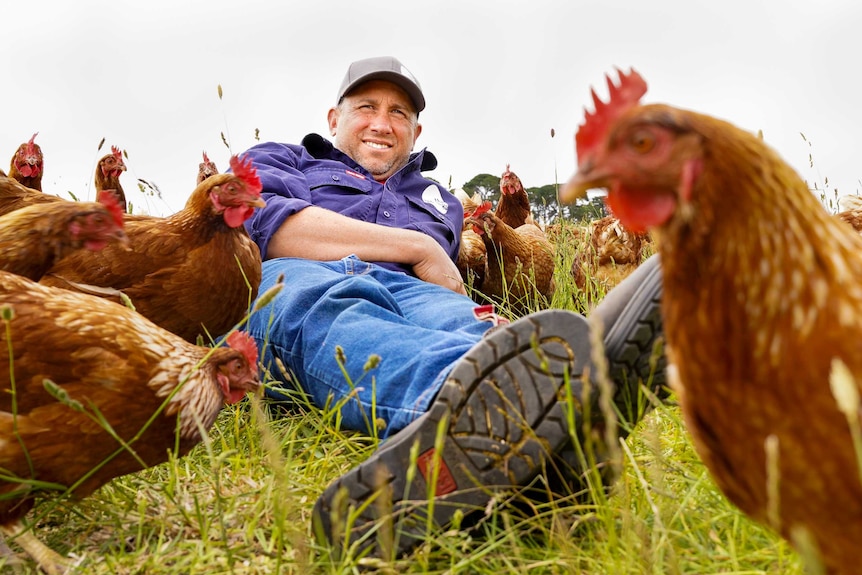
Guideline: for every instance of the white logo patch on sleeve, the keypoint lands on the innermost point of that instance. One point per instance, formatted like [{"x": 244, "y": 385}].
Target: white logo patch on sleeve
[{"x": 431, "y": 195}]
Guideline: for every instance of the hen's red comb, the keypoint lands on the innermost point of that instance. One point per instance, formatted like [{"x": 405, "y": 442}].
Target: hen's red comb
[
  {"x": 206, "y": 158},
  {"x": 118, "y": 154},
  {"x": 109, "y": 200},
  {"x": 31, "y": 144},
  {"x": 622, "y": 97},
  {"x": 484, "y": 207},
  {"x": 245, "y": 171},
  {"x": 241, "y": 341}
]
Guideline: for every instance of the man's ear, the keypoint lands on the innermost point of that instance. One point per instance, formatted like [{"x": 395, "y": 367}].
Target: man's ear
[
  {"x": 416, "y": 132},
  {"x": 332, "y": 118}
]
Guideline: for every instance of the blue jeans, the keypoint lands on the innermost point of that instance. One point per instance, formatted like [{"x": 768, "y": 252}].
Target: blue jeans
[{"x": 417, "y": 329}]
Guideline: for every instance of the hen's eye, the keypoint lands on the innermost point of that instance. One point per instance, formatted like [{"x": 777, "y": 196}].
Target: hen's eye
[{"x": 642, "y": 142}]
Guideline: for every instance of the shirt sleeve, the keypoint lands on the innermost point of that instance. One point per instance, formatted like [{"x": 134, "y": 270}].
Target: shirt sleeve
[{"x": 285, "y": 190}]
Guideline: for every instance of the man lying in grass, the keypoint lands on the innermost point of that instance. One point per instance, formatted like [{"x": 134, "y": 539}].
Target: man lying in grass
[{"x": 367, "y": 248}]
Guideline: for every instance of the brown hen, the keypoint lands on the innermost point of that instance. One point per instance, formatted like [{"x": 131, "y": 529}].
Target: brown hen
[
  {"x": 107, "y": 178},
  {"x": 206, "y": 169},
  {"x": 35, "y": 237},
  {"x": 851, "y": 211},
  {"x": 614, "y": 244},
  {"x": 513, "y": 207},
  {"x": 472, "y": 257},
  {"x": 79, "y": 358},
  {"x": 762, "y": 295},
  {"x": 192, "y": 273},
  {"x": 27, "y": 164},
  {"x": 520, "y": 262},
  {"x": 611, "y": 254}
]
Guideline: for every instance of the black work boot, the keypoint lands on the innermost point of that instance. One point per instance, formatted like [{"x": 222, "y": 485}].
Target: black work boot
[
  {"x": 631, "y": 317},
  {"x": 631, "y": 324},
  {"x": 494, "y": 425}
]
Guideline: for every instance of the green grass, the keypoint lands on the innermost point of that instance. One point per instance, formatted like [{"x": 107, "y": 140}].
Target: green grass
[{"x": 241, "y": 503}]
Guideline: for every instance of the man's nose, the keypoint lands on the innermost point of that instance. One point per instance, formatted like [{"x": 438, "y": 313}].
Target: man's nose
[{"x": 381, "y": 123}]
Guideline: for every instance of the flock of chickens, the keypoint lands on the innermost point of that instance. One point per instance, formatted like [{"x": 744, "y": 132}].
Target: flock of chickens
[
  {"x": 105, "y": 315},
  {"x": 130, "y": 300},
  {"x": 762, "y": 310},
  {"x": 507, "y": 258}
]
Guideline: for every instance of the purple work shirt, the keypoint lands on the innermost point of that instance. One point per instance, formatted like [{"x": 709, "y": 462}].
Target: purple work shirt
[{"x": 317, "y": 174}]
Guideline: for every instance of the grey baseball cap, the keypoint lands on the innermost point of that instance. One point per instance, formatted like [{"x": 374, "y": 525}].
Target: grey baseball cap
[{"x": 386, "y": 68}]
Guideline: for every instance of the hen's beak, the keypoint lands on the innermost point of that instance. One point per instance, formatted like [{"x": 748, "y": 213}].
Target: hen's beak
[
  {"x": 586, "y": 178},
  {"x": 250, "y": 384},
  {"x": 234, "y": 390},
  {"x": 257, "y": 202},
  {"x": 254, "y": 386}
]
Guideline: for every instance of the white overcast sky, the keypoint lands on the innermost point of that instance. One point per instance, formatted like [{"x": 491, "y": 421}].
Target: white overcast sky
[{"x": 497, "y": 75}]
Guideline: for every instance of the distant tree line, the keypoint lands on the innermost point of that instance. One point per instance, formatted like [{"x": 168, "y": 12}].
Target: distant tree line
[{"x": 543, "y": 199}]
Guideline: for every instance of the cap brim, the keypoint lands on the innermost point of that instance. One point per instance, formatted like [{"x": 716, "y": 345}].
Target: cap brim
[{"x": 399, "y": 80}]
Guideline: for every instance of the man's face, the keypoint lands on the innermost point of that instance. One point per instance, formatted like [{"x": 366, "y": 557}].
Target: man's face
[{"x": 376, "y": 125}]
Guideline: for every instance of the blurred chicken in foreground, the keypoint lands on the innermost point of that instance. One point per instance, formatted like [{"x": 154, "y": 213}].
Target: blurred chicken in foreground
[
  {"x": 14, "y": 196},
  {"x": 762, "y": 298},
  {"x": 33, "y": 238}
]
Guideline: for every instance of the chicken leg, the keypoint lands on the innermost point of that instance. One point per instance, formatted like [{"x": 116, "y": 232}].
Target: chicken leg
[{"x": 51, "y": 562}]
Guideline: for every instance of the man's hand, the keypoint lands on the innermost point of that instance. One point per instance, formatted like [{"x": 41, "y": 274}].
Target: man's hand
[{"x": 437, "y": 268}]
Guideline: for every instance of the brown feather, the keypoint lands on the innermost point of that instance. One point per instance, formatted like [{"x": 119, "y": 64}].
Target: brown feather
[{"x": 14, "y": 196}]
